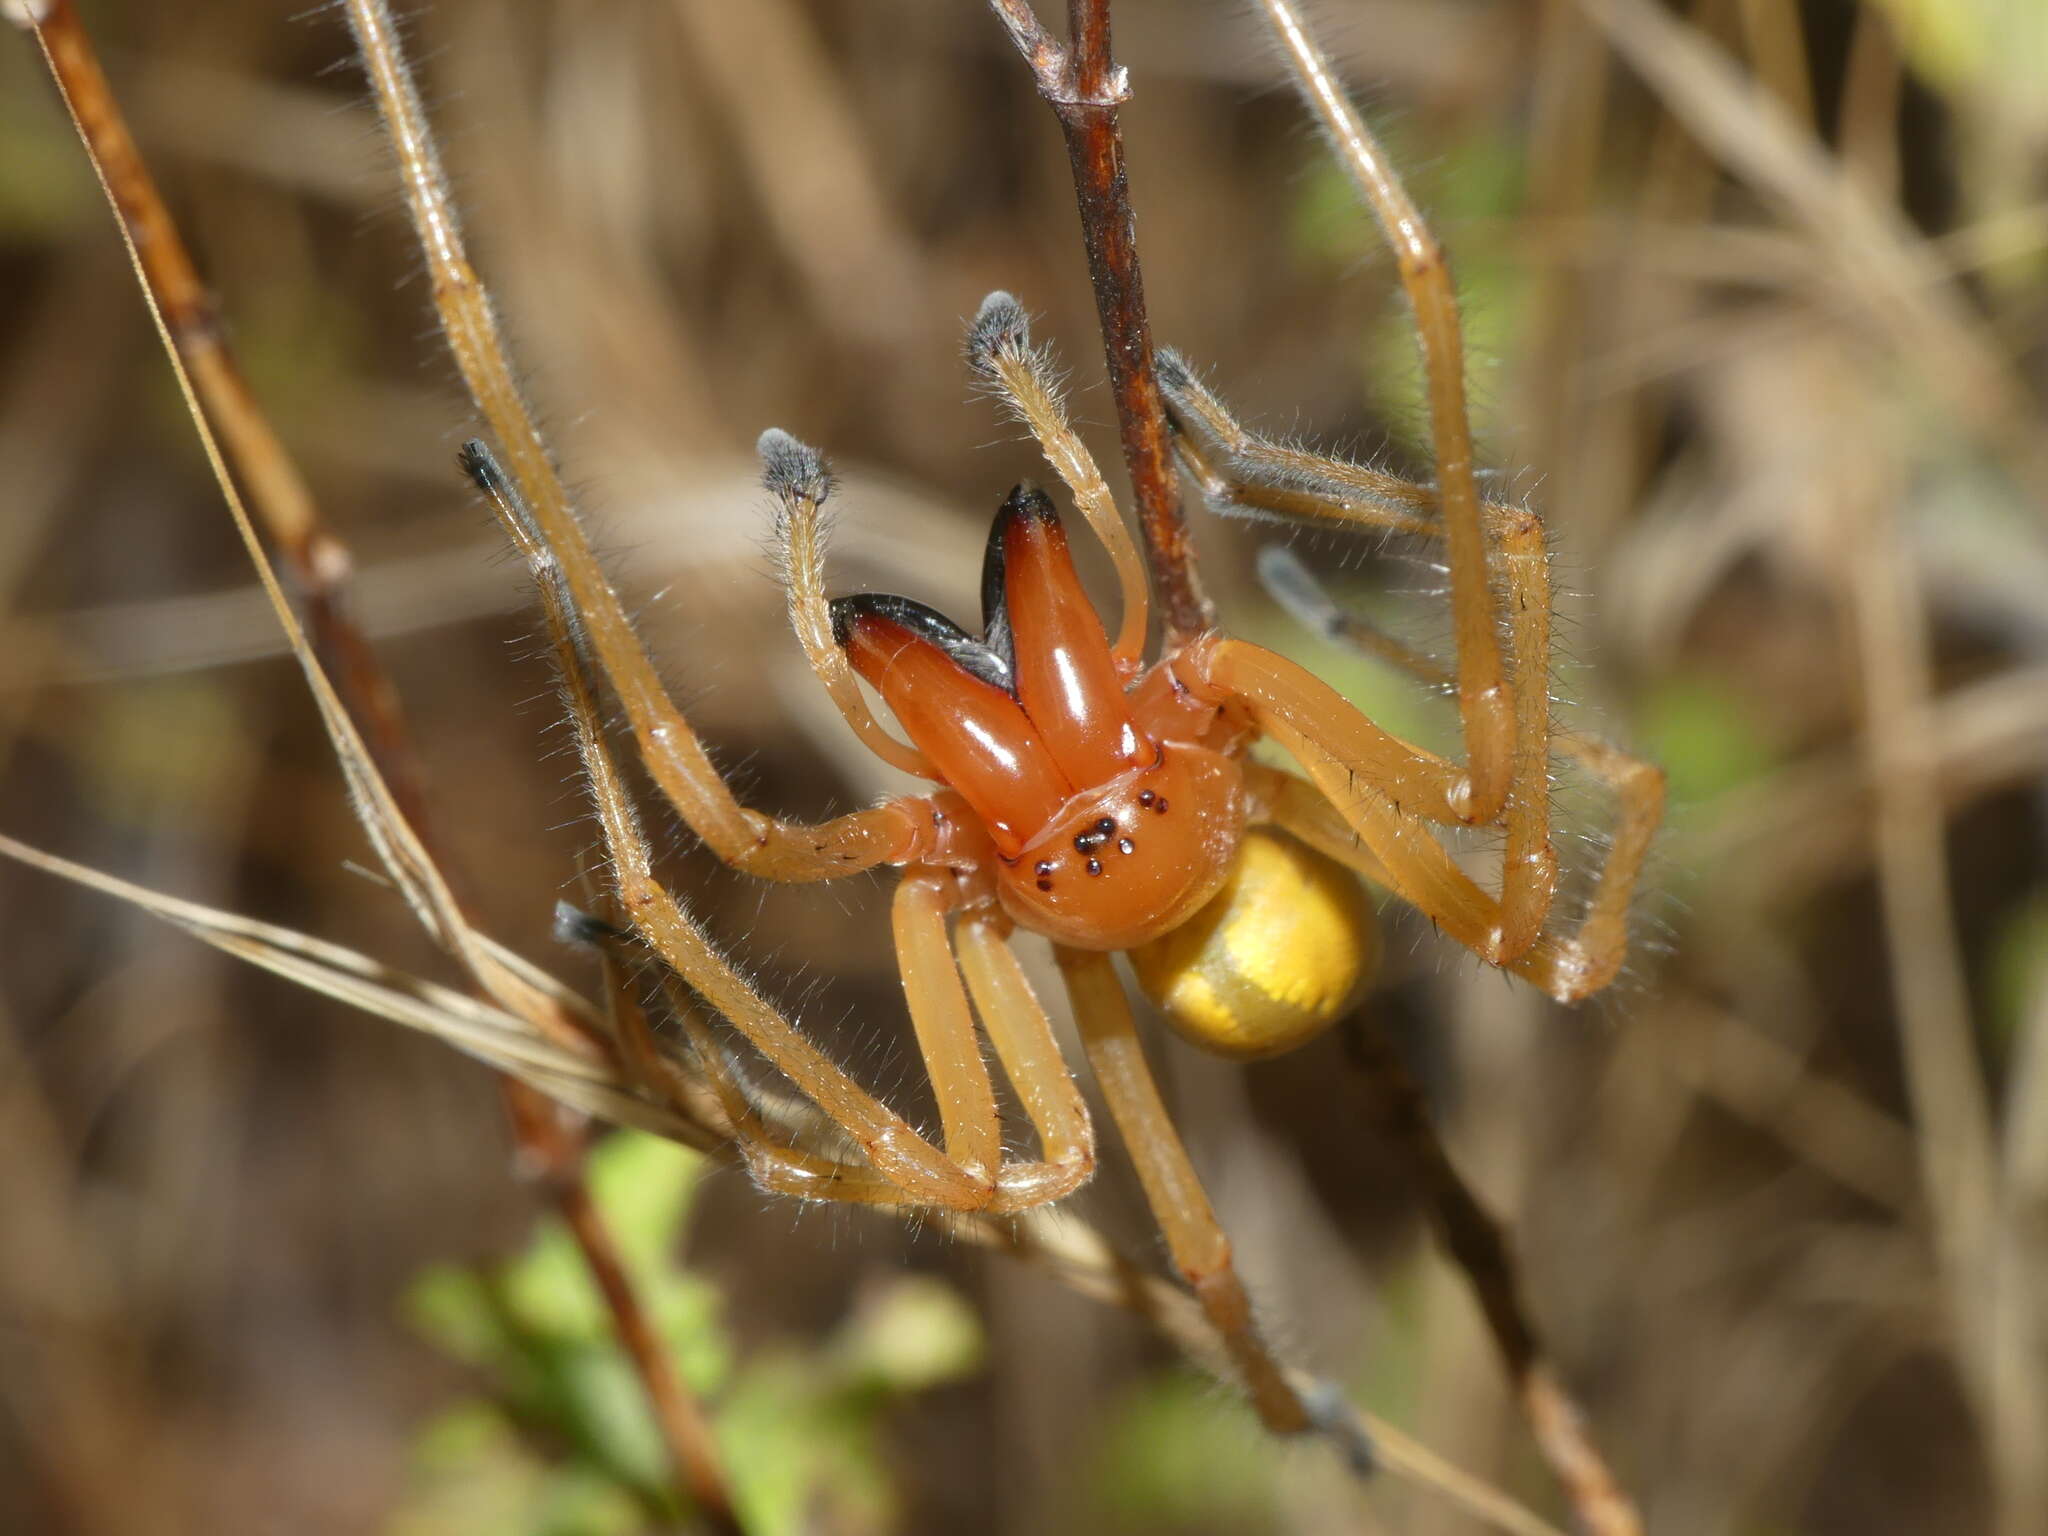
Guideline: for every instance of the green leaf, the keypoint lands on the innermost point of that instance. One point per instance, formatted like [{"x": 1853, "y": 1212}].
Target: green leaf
[
  {"x": 451, "y": 1307},
  {"x": 646, "y": 1186},
  {"x": 1176, "y": 1451},
  {"x": 1701, "y": 731},
  {"x": 549, "y": 1289},
  {"x": 918, "y": 1334}
]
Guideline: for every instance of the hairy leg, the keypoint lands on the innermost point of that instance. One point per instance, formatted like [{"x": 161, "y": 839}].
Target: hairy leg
[
  {"x": 1201, "y": 1251},
  {"x": 898, "y": 1154},
  {"x": 1022, "y": 1035},
  {"x": 1246, "y": 471},
  {"x": 1597, "y": 951},
  {"x": 1484, "y": 704},
  {"x": 675, "y": 757}
]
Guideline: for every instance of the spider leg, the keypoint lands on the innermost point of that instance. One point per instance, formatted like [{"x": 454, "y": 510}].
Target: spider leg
[
  {"x": 999, "y": 350},
  {"x": 1237, "y": 470},
  {"x": 1422, "y": 870},
  {"x": 1483, "y": 701},
  {"x": 964, "y": 1177},
  {"x": 773, "y": 1156},
  {"x": 1528, "y": 876},
  {"x": 1294, "y": 805},
  {"x": 968, "y": 1174},
  {"x": 944, "y": 1023},
  {"x": 553, "y": 542},
  {"x": 1024, "y": 1043},
  {"x": 779, "y": 1161},
  {"x": 1307, "y": 486},
  {"x": 1284, "y": 696},
  {"x": 796, "y": 477},
  {"x": 1602, "y": 940},
  {"x": 1200, "y": 1250},
  {"x": 926, "y": 1175},
  {"x": 1016, "y": 1024},
  {"x": 776, "y": 1154},
  {"x": 546, "y": 530},
  {"x": 1359, "y": 826}
]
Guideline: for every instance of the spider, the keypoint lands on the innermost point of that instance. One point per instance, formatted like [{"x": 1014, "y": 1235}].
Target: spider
[
  {"x": 1084, "y": 790},
  {"x": 1104, "y": 799}
]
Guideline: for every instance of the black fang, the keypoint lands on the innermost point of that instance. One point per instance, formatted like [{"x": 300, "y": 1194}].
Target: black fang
[
  {"x": 1026, "y": 500},
  {"x": 970, "y": 655},
  {"x": 992, "y": 658}
]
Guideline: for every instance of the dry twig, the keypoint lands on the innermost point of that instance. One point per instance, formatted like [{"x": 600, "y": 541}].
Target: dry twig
[
  {"x": 1083, "y": 87},
  {"x": 361, "y": 707},
  {"x": 1394, "y": 1101}
]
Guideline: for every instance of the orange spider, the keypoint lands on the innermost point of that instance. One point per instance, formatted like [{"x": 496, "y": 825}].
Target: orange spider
[
  {"x": 1101, "y": 801},
  {"x": 1083, "y": 794}
]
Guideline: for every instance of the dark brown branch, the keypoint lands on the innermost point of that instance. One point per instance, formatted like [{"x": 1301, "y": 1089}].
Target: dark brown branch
[
  {"x": 556, "y": 1161},
  {"x": 1084, "y": 87},
  {"x": 1088, "y": 41},
  {"x": 318, "y": 562},
  {"x": 320, "y": 565},
  {"x": 1475, "y": 1242}
]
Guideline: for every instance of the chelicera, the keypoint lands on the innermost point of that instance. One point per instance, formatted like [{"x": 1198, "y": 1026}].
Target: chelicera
[{"x": 1096, "y": 800}]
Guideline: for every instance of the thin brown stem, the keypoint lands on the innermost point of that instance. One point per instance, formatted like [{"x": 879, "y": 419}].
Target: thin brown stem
[
  {"x": 1088, "y": 40},
  {"x": 1479, "y": 1247},
  {"x": 1990, "y": 1306},
  {"x": 555, "y": 1158},
  {"x": 1080, "y": 1258},
  {"x": 320, "y": 563},
  {"x": 1083, "y": 86}
]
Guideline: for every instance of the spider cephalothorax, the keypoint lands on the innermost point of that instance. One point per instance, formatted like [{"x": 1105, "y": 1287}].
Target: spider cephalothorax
[{"x": 1113, "y": 812}]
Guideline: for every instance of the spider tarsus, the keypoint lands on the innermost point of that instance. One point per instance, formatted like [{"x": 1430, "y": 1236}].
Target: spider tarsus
[
  {"x": 1332, "y": 1415},
  {"x": 792, "y": 469},
  {"x": 573, "y": 925},
  {"x": 1295, "y": 588},
  {"x": 1000, "y": 327},
  {"x": 1175, "y": 376},
  {"x": 481, "y": 465}
]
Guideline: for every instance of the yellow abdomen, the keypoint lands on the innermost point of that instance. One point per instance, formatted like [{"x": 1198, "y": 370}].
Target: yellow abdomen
[{"x": 1273, "y": 959}]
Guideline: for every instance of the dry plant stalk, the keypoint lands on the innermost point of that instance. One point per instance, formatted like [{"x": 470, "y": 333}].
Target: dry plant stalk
[
  {"x": 603, "y": 1062},
  {"x": 360, "y": 707},
  {"x": 1081, "y": 83},
  {"x": 1083, "y": 86}
]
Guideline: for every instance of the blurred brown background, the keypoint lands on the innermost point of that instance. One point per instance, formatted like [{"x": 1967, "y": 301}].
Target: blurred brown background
[{"x": 1756, "y": 318}]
